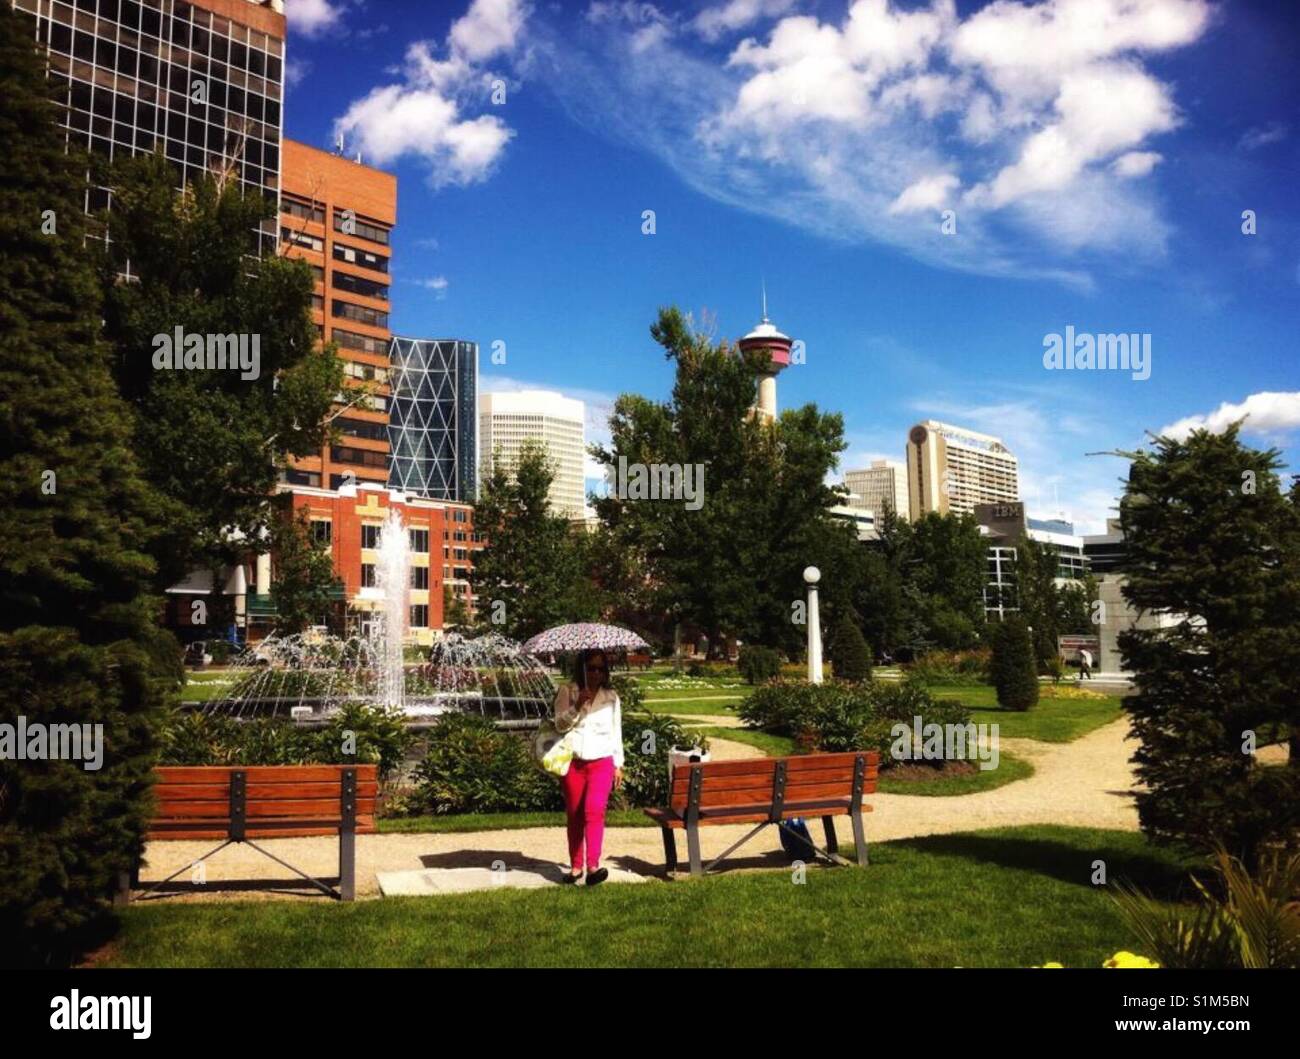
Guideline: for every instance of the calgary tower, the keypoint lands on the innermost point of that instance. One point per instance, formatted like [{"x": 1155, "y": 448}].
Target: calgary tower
[{"x": 768, "y": 340}]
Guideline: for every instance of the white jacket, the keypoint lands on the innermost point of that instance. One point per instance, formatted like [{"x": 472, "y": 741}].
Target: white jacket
[{"x": 599, "y": 730}]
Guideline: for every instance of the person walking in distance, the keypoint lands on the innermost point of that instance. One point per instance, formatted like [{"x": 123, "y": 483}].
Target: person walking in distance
[
  {"x": 589, "y": 710},
  {"x": 1085, "y": 664}
]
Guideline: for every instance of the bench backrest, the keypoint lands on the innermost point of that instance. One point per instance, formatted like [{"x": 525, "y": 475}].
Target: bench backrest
[
  {"x": 277, "y": 801},
  {"x": 752, "y": 781}
]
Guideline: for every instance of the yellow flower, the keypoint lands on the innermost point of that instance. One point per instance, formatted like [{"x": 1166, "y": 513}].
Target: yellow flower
[
  {"x": 1052, "y": 964},
  {"x": 1129, "y": 961}
]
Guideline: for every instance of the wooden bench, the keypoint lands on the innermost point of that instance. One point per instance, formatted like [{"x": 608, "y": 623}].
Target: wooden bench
[
  {"x": 639, "y": 660},
  {"x": 768, "y": 791},
  {"x": 240, "y": 803}
]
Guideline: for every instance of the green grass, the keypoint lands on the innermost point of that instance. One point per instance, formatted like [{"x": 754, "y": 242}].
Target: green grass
[
  {"x": 207, "y": 685},
  {"x": 459, "y": 823},
  {"x": 708, "y": 707},
  {"x": 1010, "y": 768},
  {"x": 1053, "y": 720},
  {"x": 1007, "y": 898}
]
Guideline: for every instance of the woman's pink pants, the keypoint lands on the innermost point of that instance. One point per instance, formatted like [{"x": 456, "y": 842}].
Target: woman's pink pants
[{"x": 586, "y": 793}]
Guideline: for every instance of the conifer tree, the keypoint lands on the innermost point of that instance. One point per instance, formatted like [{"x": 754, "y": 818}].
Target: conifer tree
[
  {"x": 1014, "y": 670},
  {"x": 77, "y": 641}
]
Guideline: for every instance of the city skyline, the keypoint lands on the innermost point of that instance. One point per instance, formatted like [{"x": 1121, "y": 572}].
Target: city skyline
[{"x": 1143, "y": 235}]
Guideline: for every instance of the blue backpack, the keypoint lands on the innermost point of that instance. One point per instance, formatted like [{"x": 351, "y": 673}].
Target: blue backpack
[{"x": 792, "y": 845}]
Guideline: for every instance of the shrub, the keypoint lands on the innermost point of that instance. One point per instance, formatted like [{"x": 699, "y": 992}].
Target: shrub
[
  {"x": 849, "y": 652},
  {"x": 758, "y": 664},
  {"x": 647, "y": 740},
  {"x": 961, "y": 668},
  {"x": 472, "y": 767},
  {"x": 1015, "y": 671}
]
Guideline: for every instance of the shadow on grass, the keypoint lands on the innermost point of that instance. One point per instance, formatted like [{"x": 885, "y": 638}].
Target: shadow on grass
[{"x": 1162, "y": 873}]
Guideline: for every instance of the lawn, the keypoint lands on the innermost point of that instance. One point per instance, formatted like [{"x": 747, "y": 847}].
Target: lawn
[
  {"x": 207, "y": 685},
  {"x": 1053, "y": 720},
  {"x": 1007, "y": 898},
  {"x": 708, "y": 707}
]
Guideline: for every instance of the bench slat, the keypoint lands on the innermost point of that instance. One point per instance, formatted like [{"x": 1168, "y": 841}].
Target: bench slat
[
  {"x": 196, "y": 792},
  {"x": 199, "y": 829},
  {"x": 170, "y": 774},
  {"x": 767, "y": 766},
  {"x": 313, "y": 807},
  {"x": 751, "y": 815},
  {"x": 682, "y": 780}
]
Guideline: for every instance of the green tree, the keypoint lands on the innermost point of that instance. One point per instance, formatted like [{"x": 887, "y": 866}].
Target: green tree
[
  {"x": 210, "y": 439},
  {"x": 1040, "y": 598},
  {"x": 1014, "y": 671},
  {"x": 850, "y": 653},
  {"x": 304, "y": 586},
  {"x": 732, "y": 563},
  {"x": 455, "y": 615},
  {"x": 533, "y": 563},
  {"x": 1214, "y": 550},
  {"x": 77, "y": 641}
]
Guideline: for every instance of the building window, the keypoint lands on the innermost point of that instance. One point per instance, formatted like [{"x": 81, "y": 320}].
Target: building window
[
  {"x": 369, "y": 536},
  {"x": 300, "y": 209},
  {"x": 366, "y": 344},
  {"x": 321, "y": 530},
  {"x": 420, "y": 540},
  {"x": 367, "y": 575},
  {"x": 362, "y": 457},
  {"x": 356, "y": 285},
  {"x": 359, "y": 313},
  {"x": 363, "y": 428},
  {"x": 420, "y": 616},
  {"x": 360, "y": 228},
  {"x": 420, "y": 577},
  {"x": 356, "y": 256}
]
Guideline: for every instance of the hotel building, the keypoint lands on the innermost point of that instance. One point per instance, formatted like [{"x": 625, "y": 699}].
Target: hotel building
[
  {"x": 950, "y": 468},
  {"x": 507, "y": 420},
  {"x": 202, "y": 81},
  {"x": 878, "y": 487},
  {"x": 338, "y": 216}
]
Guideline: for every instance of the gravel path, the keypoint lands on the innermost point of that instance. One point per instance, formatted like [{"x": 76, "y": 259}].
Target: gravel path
[{"x": 1085, "y": 783}]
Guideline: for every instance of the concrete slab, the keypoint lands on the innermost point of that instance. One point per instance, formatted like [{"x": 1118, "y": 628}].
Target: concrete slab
[{"x": 466, "y": 880}]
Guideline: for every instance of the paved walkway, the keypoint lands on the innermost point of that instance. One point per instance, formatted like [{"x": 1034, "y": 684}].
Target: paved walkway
[{"x": 1085, "y": 783}]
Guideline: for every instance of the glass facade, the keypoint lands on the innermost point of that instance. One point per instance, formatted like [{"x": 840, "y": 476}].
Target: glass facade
[
  {"x": 142, "y": 75},
  {"x": 432, "y": 431}
]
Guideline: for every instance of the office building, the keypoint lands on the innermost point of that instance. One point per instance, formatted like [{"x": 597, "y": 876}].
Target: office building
[
  {"x": 432, "y": 419},
  {"x": 950, "y": 468},
  {"x": 1005, "y": 527},
  {"x": 202, "y": 81},
  {"x": 507, "y": 420},
  {"x": 880, "y": 487},
  {"x": 338, "y": 216}
]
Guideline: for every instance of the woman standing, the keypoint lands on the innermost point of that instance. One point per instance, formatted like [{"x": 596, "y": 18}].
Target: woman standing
[{"x": 589, "y": 710}]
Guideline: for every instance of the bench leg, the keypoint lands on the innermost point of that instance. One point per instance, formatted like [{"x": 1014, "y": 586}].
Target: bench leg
[
  {"x": 347, "y": 864},
  {"x": 670, "y": 850},
  {"x": 860, "y": 838},
  {"x": 693, "y": 848},
  {"x": 828, "y": 825}
]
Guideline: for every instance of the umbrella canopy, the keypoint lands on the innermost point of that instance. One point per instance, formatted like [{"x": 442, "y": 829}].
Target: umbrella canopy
[{"x": 584, "y": 636}]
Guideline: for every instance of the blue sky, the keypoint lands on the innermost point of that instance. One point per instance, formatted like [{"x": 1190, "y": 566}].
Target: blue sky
[{"x": 1093, "y": 159}]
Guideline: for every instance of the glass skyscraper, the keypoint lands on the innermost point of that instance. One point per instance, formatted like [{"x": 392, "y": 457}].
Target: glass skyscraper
[{"x": 432, "y": 417}]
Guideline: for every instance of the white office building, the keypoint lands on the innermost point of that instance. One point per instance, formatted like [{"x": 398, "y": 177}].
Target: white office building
[
  {"x": 950, "y": 468},
  {"x": 881, "y": 486},
  {"x": 507, "y": 420}
]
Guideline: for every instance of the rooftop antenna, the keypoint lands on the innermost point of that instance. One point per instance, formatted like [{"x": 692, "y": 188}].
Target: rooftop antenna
[
  {"x": 338, "y": 144},
  {"x": 765, "y": 319}
]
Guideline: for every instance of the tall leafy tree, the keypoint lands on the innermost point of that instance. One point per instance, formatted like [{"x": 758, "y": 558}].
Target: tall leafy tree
[
  {"x": 77, "y": 643},
  {"x": 209, "y": 438},
  {"x": 303, "y": 589},
  {"x": 1214, "y": 551},
  {"x": 732, "y": 563},
  {"x": 532, "y": 573},
  {"x": 1040, "y": 598}
]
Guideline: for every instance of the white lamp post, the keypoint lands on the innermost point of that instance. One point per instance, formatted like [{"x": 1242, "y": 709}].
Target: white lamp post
[{"x": 812, "y": 575}]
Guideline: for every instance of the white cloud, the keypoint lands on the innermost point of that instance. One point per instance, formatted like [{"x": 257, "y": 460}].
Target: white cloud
[
  {"x": 855, "y": 126},
  {"x": 437, "y": 284},
  {"x": 1254, "y": 138},
  {"x": 1267, "y": 413},
  {"x": 1135, "y": 163},
  {"x": 295, "y": 70},
  {"x": 311, "y": 18},
  {"x": 714, "y": 22},
  {"x": 426, "y": 115}
]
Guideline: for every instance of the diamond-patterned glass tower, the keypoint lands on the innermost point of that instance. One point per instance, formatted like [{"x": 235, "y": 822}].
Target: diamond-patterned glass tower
[{"x": 432, "y": 417}]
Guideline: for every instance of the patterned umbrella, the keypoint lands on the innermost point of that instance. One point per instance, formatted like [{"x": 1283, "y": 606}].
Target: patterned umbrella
[{"x": 584, "y": 636}]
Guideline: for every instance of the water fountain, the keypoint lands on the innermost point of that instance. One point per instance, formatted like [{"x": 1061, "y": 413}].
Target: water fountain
[{"x": 311, "y": 675}]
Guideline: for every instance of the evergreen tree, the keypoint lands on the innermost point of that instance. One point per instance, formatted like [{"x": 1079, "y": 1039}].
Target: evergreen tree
[
  {"x": 1040, "y": 599},
  {"x": 210, "y": 439},
  {"x": 1214, "y": 550},
  {"x": 1014, "y": 671},
  {"x": 850, "y": 653},
  {"x": 77, "y": 642},
  {"x": 532, "y": 572}
]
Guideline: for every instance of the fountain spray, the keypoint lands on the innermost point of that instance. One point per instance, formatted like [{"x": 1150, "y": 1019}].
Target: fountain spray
[{"x": 393, "y": 578}]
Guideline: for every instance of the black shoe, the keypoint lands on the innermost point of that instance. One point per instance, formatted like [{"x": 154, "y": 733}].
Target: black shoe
[
  {"x": 568, "y": 879},
  {"x": 595, "y": 878}
]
